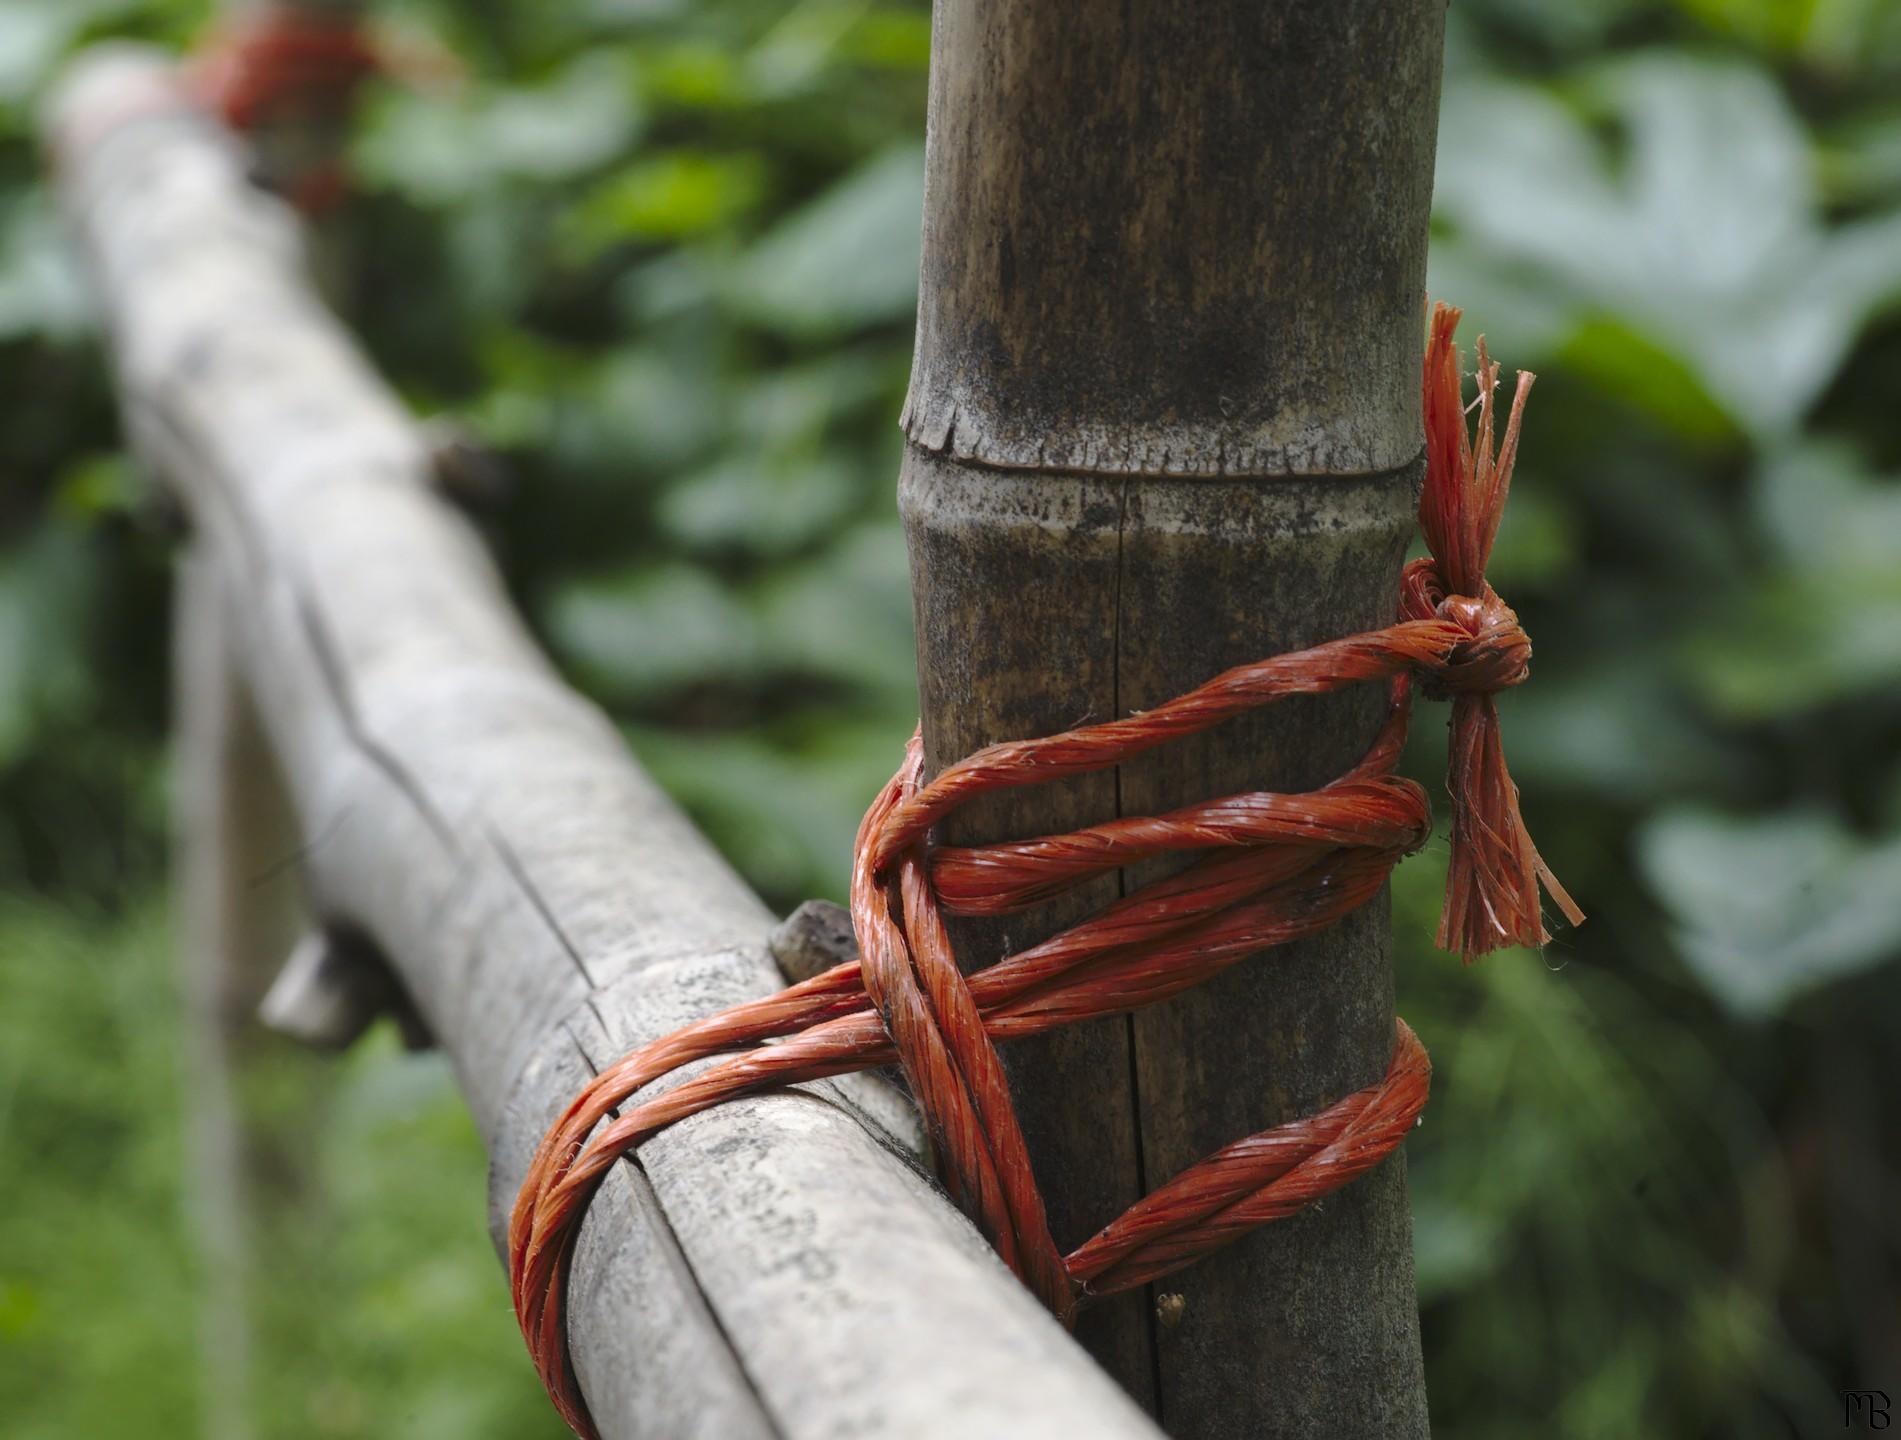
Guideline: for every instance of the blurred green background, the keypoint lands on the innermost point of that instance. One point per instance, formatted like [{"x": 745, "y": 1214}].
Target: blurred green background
[{"x": 661, "y": 256}]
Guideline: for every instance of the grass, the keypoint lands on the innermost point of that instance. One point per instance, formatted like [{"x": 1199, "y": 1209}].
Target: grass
[{"x": 377, "y": 1305}]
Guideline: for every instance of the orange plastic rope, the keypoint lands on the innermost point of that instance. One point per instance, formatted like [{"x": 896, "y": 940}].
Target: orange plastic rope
[{"x": 1275, "y": 868}]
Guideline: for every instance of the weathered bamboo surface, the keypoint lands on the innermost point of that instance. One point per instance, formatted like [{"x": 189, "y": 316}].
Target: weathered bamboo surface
[
  {"x": 775, "y": 1267},
  {"x": 1163, "y": 420}
]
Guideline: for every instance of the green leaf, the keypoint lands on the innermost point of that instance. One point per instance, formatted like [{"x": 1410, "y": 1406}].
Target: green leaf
[
  {"x": 47, "y": 587},
  {"x": 20, "y": 1308},
  {"x": 1769, "y": 909},
  {"x": 40, "y": 289},
  {"x": 1819, "y": 504},
  {"x": 439, "y": 151},
  {"x": 847, "y": 615},
  {"x": 794, "y": 407},
  {"x": 1628, "y": 364},
  {"x": 1452, "y": 1248},
  {"x": 1523, "y": 316},
  {"x": 1616, "y": 725},
  {"x": 801, "y": 47},
  {"x": 674, "y": 195},
  {"x": 693, "y": 76},
  {"x": 784, "y": 807},
  {"x": 764, "y": 505},
  {"x": 1861, "y": 162},
  {"x": 894, "y": 39},
  {"x": 33, "y": 36},
  {"x": 1794, "y": 642},
  {"x": 1537, "y": 541},
  {"x": 1825, "y": 624},
  {"x": 1771, "y": 25},
  {"x": 645, "y": 406},
  {"x": 99, "y": 486},
  {"x": 848, "y": 259},
  {"x": 1707, "y": 239},
  {"x": 646, "y": 635}
]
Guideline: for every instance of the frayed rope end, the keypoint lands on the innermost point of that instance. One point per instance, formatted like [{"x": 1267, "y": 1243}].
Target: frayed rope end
[{"x": 1492, "y": 883}]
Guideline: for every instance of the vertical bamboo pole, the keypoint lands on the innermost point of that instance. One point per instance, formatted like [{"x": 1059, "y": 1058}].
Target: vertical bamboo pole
[
  {"x": 1163, "y": 419},
  {"x": 233, "y": 825}
]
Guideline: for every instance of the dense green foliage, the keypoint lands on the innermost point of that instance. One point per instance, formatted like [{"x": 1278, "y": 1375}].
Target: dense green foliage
[{"x": 661, "y": 256}]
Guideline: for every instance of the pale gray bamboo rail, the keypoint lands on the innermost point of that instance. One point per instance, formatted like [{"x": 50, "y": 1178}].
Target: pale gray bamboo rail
[{"x": 775, "y": 1267}]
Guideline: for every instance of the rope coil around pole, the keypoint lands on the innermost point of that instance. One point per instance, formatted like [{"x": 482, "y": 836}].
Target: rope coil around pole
[{"x": 1272, "y": 868}]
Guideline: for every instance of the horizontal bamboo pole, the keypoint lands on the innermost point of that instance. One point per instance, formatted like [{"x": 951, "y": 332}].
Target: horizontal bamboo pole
[{"x": 774, "y": 1267}]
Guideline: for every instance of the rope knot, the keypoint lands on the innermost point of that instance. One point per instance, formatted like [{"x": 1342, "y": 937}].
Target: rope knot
[{"x": 1497, "y": 655}]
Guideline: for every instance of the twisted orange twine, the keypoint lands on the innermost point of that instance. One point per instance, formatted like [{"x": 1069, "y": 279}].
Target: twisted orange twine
[{"x": 1277, "y": 867}]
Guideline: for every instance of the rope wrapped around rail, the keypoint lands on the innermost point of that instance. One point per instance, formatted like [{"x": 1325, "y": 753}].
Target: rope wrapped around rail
[{"x": 1271, "y": 868}]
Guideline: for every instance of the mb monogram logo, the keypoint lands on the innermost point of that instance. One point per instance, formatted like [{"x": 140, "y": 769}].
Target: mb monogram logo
[{"x": 1865, "y": 1409}]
